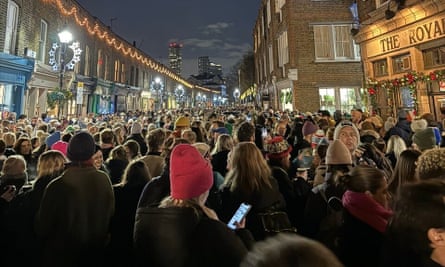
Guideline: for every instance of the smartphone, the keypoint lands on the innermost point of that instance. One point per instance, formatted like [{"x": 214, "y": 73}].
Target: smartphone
[{"x": 239, "y": 215}]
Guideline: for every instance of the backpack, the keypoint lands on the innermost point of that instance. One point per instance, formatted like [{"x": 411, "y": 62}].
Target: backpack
[{"x": 329, "y": 231}]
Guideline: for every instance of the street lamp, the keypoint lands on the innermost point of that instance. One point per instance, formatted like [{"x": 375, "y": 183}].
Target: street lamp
[
  {"x": 236, "y": 95},
  {"x": 157, "y": 87},
  {"x": 61, "y": 63},
  {"x": 179, "y": 93}
]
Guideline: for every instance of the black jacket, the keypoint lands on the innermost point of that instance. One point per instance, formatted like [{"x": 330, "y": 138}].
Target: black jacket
[{"x": 177, "y": 237}]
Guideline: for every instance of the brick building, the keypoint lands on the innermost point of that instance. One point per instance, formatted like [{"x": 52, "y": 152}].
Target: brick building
[
  {"x": 305, "y": 56},
  {"x": 109, "y": 75}
]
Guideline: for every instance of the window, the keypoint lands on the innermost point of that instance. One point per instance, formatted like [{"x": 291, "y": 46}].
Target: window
[
  {"x": 116, "y": 70},
  {"x": 87, "y": 61},
  {"x": 401, "y": 63},
  {"x": 270, "y": 58},
  {"x": 106, "y": 68},
  {"x": 123, "y": 77},
  {"x": 283, "y": 49},
  {"x": 333, "y": 99},
  {"x": 335, "y": 43},
  {"x": 42, "y": 41},
  {"x": 380, "y": 68},
  {"x": 11, "y": 27},
  {"x": 100, "y": 63},
  {"x": 268, "y": 13},
  {"x": 434, "y": 57}
]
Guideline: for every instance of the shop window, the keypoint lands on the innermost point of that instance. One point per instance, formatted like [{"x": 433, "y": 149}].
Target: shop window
[
  {"x": 401, "y": 63},
  {"x": 406, "y": 97},
  {"x": 434, "y": 57},
  {"x": 380, "y": 68},
  {"x": 333, "y": 99}
]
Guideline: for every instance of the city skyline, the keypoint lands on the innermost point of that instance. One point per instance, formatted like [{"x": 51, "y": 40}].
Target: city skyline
[{"x": 221, "y": 30}]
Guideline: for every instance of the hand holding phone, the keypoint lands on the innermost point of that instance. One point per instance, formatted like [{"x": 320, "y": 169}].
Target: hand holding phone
[{"x": 239, "y": 215}]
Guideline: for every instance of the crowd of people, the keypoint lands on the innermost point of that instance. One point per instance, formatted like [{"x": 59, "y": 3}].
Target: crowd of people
[{"x": 158, "y": 189}]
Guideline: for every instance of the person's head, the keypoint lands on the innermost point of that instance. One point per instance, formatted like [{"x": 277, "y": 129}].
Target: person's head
[
  {"x": 404, "y": 171},
  {"x": 191, "y": 175},
  {"x": 190, "y": 135},
  {"x": 136, "y": 172},
  {"x": 245, "y": 132},
  {"x": 50, "y": 163},
  {"x": 368, "y": 180},
  {"x": 348, "y": 134},
  {"x": 81, "y": 149},
  {"x": 309, "y": 128},
  {"x": 224, "y": 142},
  {"x": 133, "y": 149},
  {"x": 181, "y": 123},
  {"x": 107, "y": 136},
  {"x": 431, "y": 164},
  {"x": 417, "y": 229},
  {"x": 204, "y": 149},
  {"x": 98, "y": 157},
  {"x": 118, "y": 153},
  {"x": 23, "y": 146},
  {"x": 14, "y": 171},
  {"x": 396, "y": 145},
  {"x": 356, "y": 115},
  {"x": 155, "y": 140},
  {"x": 14, "y": 165},
  {"x": 248, "y": 169},
  {"x": 290, "y": 250},
  {"x": 9, "y": 139},
  {"x": 278, "y": 152}
]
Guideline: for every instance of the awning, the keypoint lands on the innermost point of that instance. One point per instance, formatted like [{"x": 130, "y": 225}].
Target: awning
[{"x": 15, "y": 70}]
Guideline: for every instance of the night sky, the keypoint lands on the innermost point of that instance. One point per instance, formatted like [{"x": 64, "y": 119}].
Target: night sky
[{"x": 221, "y": 30}]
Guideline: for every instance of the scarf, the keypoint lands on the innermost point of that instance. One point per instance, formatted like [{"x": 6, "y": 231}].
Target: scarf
[{"x": 366, "y": 209}]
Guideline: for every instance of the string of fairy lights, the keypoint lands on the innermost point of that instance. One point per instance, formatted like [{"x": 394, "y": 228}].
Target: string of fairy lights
[{"x": 103, "y": 33}]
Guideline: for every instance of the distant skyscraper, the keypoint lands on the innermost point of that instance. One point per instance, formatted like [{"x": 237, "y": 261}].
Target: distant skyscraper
[
  {"x": 206, "y": 66},
  {"x": 175, "y": 57},
  {"x": 203, "y": 64}
]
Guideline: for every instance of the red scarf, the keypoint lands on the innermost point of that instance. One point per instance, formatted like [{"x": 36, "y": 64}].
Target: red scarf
[{"x": 366, "y": 209}]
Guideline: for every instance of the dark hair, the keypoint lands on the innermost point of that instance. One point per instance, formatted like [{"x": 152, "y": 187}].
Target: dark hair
[
  {"x": 363, "y": 178},
  {"x": 404, "y": 171},
  {"x": 419, "y": 207},
  {"x": 245, "y": 132}
]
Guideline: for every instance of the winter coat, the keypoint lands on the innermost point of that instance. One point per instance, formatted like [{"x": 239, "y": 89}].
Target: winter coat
[
  {"x": 180, "y": 237},
  {"x": 261, "y": 201},
  {"x": 219, "y": 162},
  {"x": 74, "y": 218}
]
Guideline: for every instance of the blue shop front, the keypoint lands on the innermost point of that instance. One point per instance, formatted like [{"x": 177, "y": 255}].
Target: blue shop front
[{"x": 15, "y": 73}]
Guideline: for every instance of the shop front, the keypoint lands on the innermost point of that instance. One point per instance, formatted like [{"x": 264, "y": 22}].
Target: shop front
[
  {"x": 15, "y": 73},
  {"x": 405, "y": 66}
]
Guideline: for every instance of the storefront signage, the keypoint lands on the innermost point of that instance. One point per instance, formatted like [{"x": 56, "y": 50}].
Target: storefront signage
[{"x": 420, "y": 33}]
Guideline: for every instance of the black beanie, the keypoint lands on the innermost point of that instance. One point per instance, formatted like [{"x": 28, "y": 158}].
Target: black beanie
[{"x": 81, "y": 147}]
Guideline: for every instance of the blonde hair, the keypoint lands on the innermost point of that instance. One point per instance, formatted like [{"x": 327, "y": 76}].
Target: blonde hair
[
  {"x": 249, "y": 170},
  {"x": 224, "y": 142},
  {"x": 9, "y": 139},
  {"x": 51, "y": 162}
]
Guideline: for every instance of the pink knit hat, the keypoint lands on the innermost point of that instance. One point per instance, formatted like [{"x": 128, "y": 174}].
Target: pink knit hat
[
  {"x": 60, "y": 146},
  {"x": 190, "y": 174}
]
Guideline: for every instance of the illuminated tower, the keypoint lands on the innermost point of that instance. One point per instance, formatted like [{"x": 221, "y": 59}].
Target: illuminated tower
[{"x": 175, "y": 57}]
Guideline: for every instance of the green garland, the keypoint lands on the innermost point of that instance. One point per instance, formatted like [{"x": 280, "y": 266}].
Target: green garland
[
  {"x": 409, "y": 80},
  {"x": 58, "y": 97}
]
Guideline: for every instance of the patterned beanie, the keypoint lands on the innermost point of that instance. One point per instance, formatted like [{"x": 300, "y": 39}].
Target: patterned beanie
[
  {"x": 277, "y": 148},
  {"x": 431, "y": 164},
  {"x": 190, "y": 174}
]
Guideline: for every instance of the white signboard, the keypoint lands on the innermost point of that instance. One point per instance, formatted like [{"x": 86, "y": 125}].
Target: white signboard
[{"x": 79, "y": 95}]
